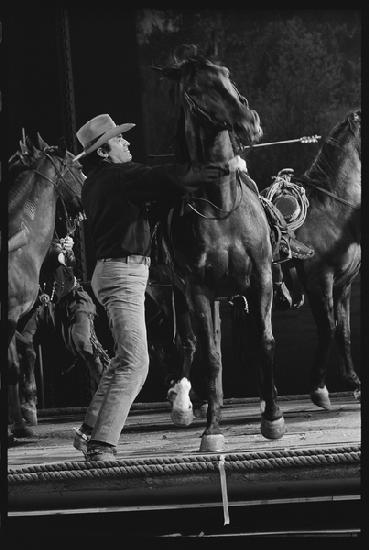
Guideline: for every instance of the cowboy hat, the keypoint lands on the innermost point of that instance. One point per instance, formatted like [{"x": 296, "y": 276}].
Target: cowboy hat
[{"x": 97, "y": 131}]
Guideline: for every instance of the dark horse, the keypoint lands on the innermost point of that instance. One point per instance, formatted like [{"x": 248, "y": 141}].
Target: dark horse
[
  {"x": 38, "y": 177},
  {"x": 332, "y": 227},
  {"x": 221, "y": 236}
]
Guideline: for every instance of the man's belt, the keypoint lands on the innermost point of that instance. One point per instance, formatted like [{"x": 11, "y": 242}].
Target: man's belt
[{"x": 131, "y": 259}]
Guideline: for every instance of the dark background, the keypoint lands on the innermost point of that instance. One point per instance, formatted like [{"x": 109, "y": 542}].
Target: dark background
[{"x": 300, "y": 69}]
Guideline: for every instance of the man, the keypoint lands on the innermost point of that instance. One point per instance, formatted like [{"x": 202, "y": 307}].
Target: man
[{"x": 115, "y": 196}]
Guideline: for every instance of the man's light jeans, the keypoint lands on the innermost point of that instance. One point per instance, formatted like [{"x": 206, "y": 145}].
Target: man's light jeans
[{"x": 120, "y": 289}]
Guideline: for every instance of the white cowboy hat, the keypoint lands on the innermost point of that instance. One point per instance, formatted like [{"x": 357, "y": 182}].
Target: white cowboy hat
[{"x": 97, "y": 131}]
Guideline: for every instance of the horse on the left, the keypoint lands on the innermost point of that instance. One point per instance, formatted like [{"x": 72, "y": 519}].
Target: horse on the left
[{"x": 38, "y": 177}]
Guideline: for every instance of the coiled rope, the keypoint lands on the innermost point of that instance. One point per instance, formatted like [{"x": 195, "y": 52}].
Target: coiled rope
[
  {"x": 283, "y": 186},
  {"x": 235, "y": 462}
]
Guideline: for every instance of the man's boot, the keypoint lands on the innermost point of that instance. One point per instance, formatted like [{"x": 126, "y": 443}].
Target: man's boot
[{"x": 293, "y": 248}]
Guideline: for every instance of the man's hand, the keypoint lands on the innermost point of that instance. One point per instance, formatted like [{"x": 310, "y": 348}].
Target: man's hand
[
  {"x": 67, "y": 243},
  {"x": 237, "y": 163}
]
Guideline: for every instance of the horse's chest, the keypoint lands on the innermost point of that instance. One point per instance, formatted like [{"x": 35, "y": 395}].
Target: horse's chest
[
  {"x": 349, "y": 265},
  {"x": 221, "y": 263}
]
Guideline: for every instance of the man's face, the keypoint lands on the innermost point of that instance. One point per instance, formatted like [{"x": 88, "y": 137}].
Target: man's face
[{"x": 119, "y": 150}]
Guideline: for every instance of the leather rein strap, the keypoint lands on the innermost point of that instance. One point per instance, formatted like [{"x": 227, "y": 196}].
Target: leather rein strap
[{"x": 312, "y": 183}]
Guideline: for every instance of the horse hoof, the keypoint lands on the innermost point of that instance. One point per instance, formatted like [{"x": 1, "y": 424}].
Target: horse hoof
[
  {"x": 320, "y": 398},
  {"x": 214, "y": 443},
  {"x": 201, "y": 412},
  {"x": 299, "y": 302},
  {"x": 23, "y": 432},
  {"x": 357, "y": 394},
  {"x": 182, "y": 418},
  {"x": 11, "y": 439},
  {"x": 273, "y": 429},
  {"x": 30, "y": 415}
]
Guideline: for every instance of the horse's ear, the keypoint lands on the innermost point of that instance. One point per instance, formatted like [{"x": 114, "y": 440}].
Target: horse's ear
[
  {"x": 184, "y": 52},
  {"x": 41, "y": 143},
  {"x": 27, "y": 147},
  {"x": 212, "y": 50},
  {"x": 62, "y": 147},
  {"x": 172, "y": 73},
  {"x": 356, "y": 116},
  {"x": 23, "y": 148}
]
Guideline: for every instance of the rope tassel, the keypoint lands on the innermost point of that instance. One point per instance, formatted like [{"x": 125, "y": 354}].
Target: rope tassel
[{"x": 223, "y": 486}]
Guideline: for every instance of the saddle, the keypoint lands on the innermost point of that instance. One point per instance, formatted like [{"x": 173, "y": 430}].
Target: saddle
[
  {"x": 290, "y": 202},
  {"x": 285, "y": 211}
]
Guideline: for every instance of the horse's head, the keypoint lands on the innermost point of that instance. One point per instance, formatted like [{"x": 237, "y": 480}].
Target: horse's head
[
  {"x": 66, "y": 174},
  {"x": 354, "y": 123},
  {"x": 347, "y": 133},
  {"x": 206, "y": 91}
]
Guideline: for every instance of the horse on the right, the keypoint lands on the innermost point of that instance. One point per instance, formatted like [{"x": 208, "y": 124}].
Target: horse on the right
[{"x": 332, "y": 228}]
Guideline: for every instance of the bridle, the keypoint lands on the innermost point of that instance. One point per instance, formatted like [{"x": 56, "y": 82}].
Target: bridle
[
  {"x": 60, "y": 174},
  {"x": 306, "y": 180},
  {"x": 311, "y": 182},
  {"x": 205, "y": 117}
]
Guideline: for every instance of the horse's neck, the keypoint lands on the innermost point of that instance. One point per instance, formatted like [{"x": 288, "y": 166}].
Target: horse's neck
[
  {"x": 32, "y": 205},
  {"x": 340, "y": 174},
  {"x": 215, "y": 149},
  {"x": 208, "y": 148}
]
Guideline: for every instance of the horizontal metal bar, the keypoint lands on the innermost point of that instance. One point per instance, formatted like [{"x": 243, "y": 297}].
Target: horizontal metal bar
[
  {"x": 353, "y": 532},
  {"x": 164, "y": 405},
  {"x": 244, "y": 503}
]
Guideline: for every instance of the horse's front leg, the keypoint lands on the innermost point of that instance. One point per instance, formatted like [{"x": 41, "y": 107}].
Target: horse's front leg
[
  {"x": 322, "y": 307},
  {"x": 29, "y": 389},
  {"x": 343, "y": 333},
  {"x": 179, "y": 392},
  {"x": 15, "y": 413},
  {"x": 272, "y": 421},
  {"x": 212, "y": 439}
]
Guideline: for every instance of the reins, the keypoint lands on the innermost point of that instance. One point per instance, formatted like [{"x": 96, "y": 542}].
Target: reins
[
  {"x": 60, "y": 175},
  {"x": 227, "y": 213},
  {"x": 305, "y": 180}
]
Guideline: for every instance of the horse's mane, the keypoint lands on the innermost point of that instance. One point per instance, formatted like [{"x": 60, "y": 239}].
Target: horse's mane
[
  {"x": 342, "y": 132},
  {"x": 19, "y": 165}
]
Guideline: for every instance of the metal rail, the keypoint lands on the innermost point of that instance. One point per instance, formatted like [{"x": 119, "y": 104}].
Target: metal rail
[{"x": 187, "y": 506}]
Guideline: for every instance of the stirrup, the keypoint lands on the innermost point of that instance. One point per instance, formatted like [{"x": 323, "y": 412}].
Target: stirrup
[
  {"x": 282, "y": 299},
  {"x": 80, "y": 440},
  {"x": 300, "y": 250}
]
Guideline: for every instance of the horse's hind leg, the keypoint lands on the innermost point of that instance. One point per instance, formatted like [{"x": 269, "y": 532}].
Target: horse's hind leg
[
  {"x": 26, "y": 345},
  {"x": 15, "y": 413},
  {"x": 321, "y": 304},
  {"x": 343, "y": 333},
  {"x": 272, "y": 421},
  {"x": 212, "y": 439},
  {"x": 29, "y": 389}
]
